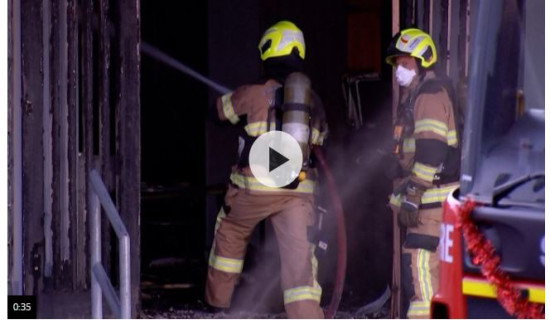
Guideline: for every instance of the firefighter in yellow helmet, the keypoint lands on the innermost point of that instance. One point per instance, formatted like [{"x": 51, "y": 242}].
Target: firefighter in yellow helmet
[
  {"x": 427, "y": 150},
  {"x": 259, "y": 108}
]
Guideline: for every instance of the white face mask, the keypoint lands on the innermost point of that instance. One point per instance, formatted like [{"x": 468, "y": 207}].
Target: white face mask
[{"x": 404, "y": 76}]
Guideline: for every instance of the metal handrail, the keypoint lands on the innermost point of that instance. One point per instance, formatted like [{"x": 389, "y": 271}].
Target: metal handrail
[{"x": 99, "y": 279}]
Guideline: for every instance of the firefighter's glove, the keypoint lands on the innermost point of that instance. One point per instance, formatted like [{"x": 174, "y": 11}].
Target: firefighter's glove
[{"x": 408, "y": 213}]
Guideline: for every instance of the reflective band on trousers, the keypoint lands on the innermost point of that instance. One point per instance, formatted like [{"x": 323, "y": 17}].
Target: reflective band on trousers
[
  {"x": 228, "y": 110},
  {"x": 302, "y": 293},
  {"x": 434, "y": 195},
  {"x": 424, "y": 275},
  {"x": 221, "y": 263},
  {"x": 251, "y": 183},
  {"x": 225, "y": 264},
  {"x": 306, "y": 292},
  {"x": 419, "y": 309},
  {"x": 422, "y": 308},
  {"x": 219, "y": 218}
]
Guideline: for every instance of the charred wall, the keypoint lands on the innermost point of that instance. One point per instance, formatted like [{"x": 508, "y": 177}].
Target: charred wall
[{"x": 76, "y": 66}]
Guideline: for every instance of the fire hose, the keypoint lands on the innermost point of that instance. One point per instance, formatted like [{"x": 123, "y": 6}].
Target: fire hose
[
  {"x": 340, "y": 234},
  {"x": 340, "y": 274}
]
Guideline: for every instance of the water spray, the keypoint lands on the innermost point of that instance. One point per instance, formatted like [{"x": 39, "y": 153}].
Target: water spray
[{"x": 166, "y": 59}]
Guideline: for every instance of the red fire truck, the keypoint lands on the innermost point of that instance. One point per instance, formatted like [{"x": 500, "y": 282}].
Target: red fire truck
[{"x": 502, "y": 170}]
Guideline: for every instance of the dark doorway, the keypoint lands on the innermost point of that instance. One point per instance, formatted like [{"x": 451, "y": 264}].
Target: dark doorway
[{"x": 173, "y": 124}]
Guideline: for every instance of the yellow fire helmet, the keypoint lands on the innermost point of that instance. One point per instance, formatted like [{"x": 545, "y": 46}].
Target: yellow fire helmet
[
  {"x": 280, "y": 39},
  {"x": 413, "y": 42}
]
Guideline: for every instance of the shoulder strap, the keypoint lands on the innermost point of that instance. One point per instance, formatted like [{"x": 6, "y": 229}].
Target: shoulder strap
[{"x": 247, "y": 140}]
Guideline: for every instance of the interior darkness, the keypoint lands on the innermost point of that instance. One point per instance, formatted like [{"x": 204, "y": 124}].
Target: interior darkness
[{"x": 186, "y": 158}]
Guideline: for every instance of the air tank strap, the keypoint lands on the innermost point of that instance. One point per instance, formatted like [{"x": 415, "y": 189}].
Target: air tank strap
[
  {"x": 274, "y": 110},
  {"x": 296, "y": 107}
]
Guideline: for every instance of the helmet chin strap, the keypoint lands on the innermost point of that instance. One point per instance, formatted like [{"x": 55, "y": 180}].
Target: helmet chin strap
[{"x": 421, "y": 71}]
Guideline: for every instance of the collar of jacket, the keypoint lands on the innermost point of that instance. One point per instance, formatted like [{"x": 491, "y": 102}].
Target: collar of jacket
[{"x": 412, "y": 90}]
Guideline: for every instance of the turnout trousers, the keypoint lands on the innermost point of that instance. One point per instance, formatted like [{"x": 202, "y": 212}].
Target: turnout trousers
[
  {"x": 420, "y": 263},
  {"x": 290, "y": 216}
]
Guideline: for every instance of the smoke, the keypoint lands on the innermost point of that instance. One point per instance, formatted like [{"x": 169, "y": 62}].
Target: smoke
[
  {"x": 360, "y": 156},
  {"x": 360, "y": 161},
  {"x": 259, "y": 289}
]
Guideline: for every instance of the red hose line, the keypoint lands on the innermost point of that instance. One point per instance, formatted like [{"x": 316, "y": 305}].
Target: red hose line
[{"x": 340, "y": 234}]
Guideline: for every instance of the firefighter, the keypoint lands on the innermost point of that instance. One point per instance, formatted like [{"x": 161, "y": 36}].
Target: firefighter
[
  {"x": 258, "y": 108},
  {"x": 427, "y": 151}
]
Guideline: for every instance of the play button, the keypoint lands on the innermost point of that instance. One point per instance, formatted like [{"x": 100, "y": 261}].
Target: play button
[{"x": 275, "y": 159}]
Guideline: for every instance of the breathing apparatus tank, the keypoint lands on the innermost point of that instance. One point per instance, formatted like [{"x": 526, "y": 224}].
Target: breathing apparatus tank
[{"x": 297, "y": 113}]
